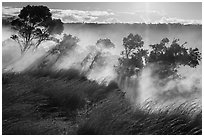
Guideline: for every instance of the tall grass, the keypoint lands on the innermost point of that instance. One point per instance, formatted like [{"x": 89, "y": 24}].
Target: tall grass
[
  {"x": 117, "y": 117},
  {"x": 42, "y": 94},
  {"x": 65, "y": 102}
]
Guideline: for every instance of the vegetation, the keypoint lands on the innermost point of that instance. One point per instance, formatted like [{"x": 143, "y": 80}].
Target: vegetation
[
  {"x": 45, "y": 101},
  {"x": 65, "y": 102},
  {"x": 116, "y": 117},
  {"x": 97, "y": 55},
  {"x": 105, "y": 43},
  {"x": 67, "y": 43},
  {"x": 35, "y": 25},
  {"x": 170, "y": 58},
  {"x": 134, "y": 57}
]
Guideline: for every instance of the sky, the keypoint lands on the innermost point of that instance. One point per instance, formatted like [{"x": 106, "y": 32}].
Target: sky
[{"x": 117, "y": 12}]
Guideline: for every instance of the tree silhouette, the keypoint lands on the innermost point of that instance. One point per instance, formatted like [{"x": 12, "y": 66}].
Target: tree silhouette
[
  {"x": 105, "y": 43},
  {"x": 35, "y": 25},
  {"x": 98, "y": 55},
  {"x": 170, "y": 58},
  {"x": 133, "y": 56}
]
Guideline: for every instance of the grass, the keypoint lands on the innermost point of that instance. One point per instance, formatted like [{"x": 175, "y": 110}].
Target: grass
[
  {"x": 65, "y": 102},
  {"x": 116, "y": 117},
  {"x": 33, "y": 96}
]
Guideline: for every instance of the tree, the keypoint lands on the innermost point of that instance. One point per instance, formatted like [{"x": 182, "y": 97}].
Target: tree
[
  {"x": 98, "y": 55},
  {"x": 105, "y": 43},
  {"x": 68, "y": 43},
  {"x": 35, "y": 25},
  {"x": 170, "y": 58},
  {"x": 167, "y": 58},
  {"x": 133, "y": 57}
]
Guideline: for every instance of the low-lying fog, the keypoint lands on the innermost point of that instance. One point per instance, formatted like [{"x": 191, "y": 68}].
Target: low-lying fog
[{"x": 90, "y": 33}]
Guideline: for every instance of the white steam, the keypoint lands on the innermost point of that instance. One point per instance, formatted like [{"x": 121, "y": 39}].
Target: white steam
[
  {"x": 138, "y": 90},
  {"x": 103, "y": 68},
  {"x": 25, "y": 61},
  {"x": 18, "y": 62},
  {"x": 150, "y": 88}
]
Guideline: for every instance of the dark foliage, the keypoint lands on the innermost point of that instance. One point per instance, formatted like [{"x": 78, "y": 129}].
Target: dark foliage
[
  {"x": 61, "y": 103},
  {"x": 133, "y": 56},
  {"x": 67, "y": 43},
  {"x": 98, "y": 55},
  {"x": 105, "y": 43},
  {"x": 169, "y": 58},
  {"x": 35, "y": 25}
]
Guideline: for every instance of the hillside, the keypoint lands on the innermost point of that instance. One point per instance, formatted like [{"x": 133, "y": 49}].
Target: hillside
[{"x": 65, "y": 102}]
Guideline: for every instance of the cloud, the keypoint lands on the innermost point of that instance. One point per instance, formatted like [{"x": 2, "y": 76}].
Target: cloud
[
  {"x": 176, "y": 20},
  {"x": 79, "y": 15},
  {"x": 160, "y": 13},
  {"x": 144, "y": 16},
  {"x": 9, "y": 11},
  {"x": 111, "y": 20},
  {"x": 75, "y": 18},
  {"x": 80, "y": 12},
  {"x": 155, "y": 17}
]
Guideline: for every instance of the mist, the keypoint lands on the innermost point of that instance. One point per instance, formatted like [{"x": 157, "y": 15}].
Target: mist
[
  {"x": 148, "y": 87},
  {"x": 151, "y": 33},
  {"x": 101, "y": 68},
  {"x": 157, "y": 95}
]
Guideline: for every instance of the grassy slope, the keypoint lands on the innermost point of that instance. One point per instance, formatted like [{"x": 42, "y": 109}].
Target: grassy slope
[{"x": 65, "y": 102}]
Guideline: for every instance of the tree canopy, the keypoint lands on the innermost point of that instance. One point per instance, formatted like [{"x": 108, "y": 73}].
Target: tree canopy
[
  {"x": 98, "y": 55},
  {"x": 67, "y": 43},
  {"x": 105, "y": 43},
  {"x": 171, "y": 57},
  {"x": 63, "y": 48},
  {"x": 167, "y": 57},
  {"x": 133, "y": 56},
  {"x": 34, "y": 25}
]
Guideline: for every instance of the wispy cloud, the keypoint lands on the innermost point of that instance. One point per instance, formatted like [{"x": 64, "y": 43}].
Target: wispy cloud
[
  {"x": 79, "y": 15},
  {"x": 10, "y": 11},
  {"x": 161, "y": 13},
  {"x": 176, "y": 20},
  {"x": 155, "y": 17},
  {"x": 145, "y": 16},
  {"x": 110, "y": 20}
]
